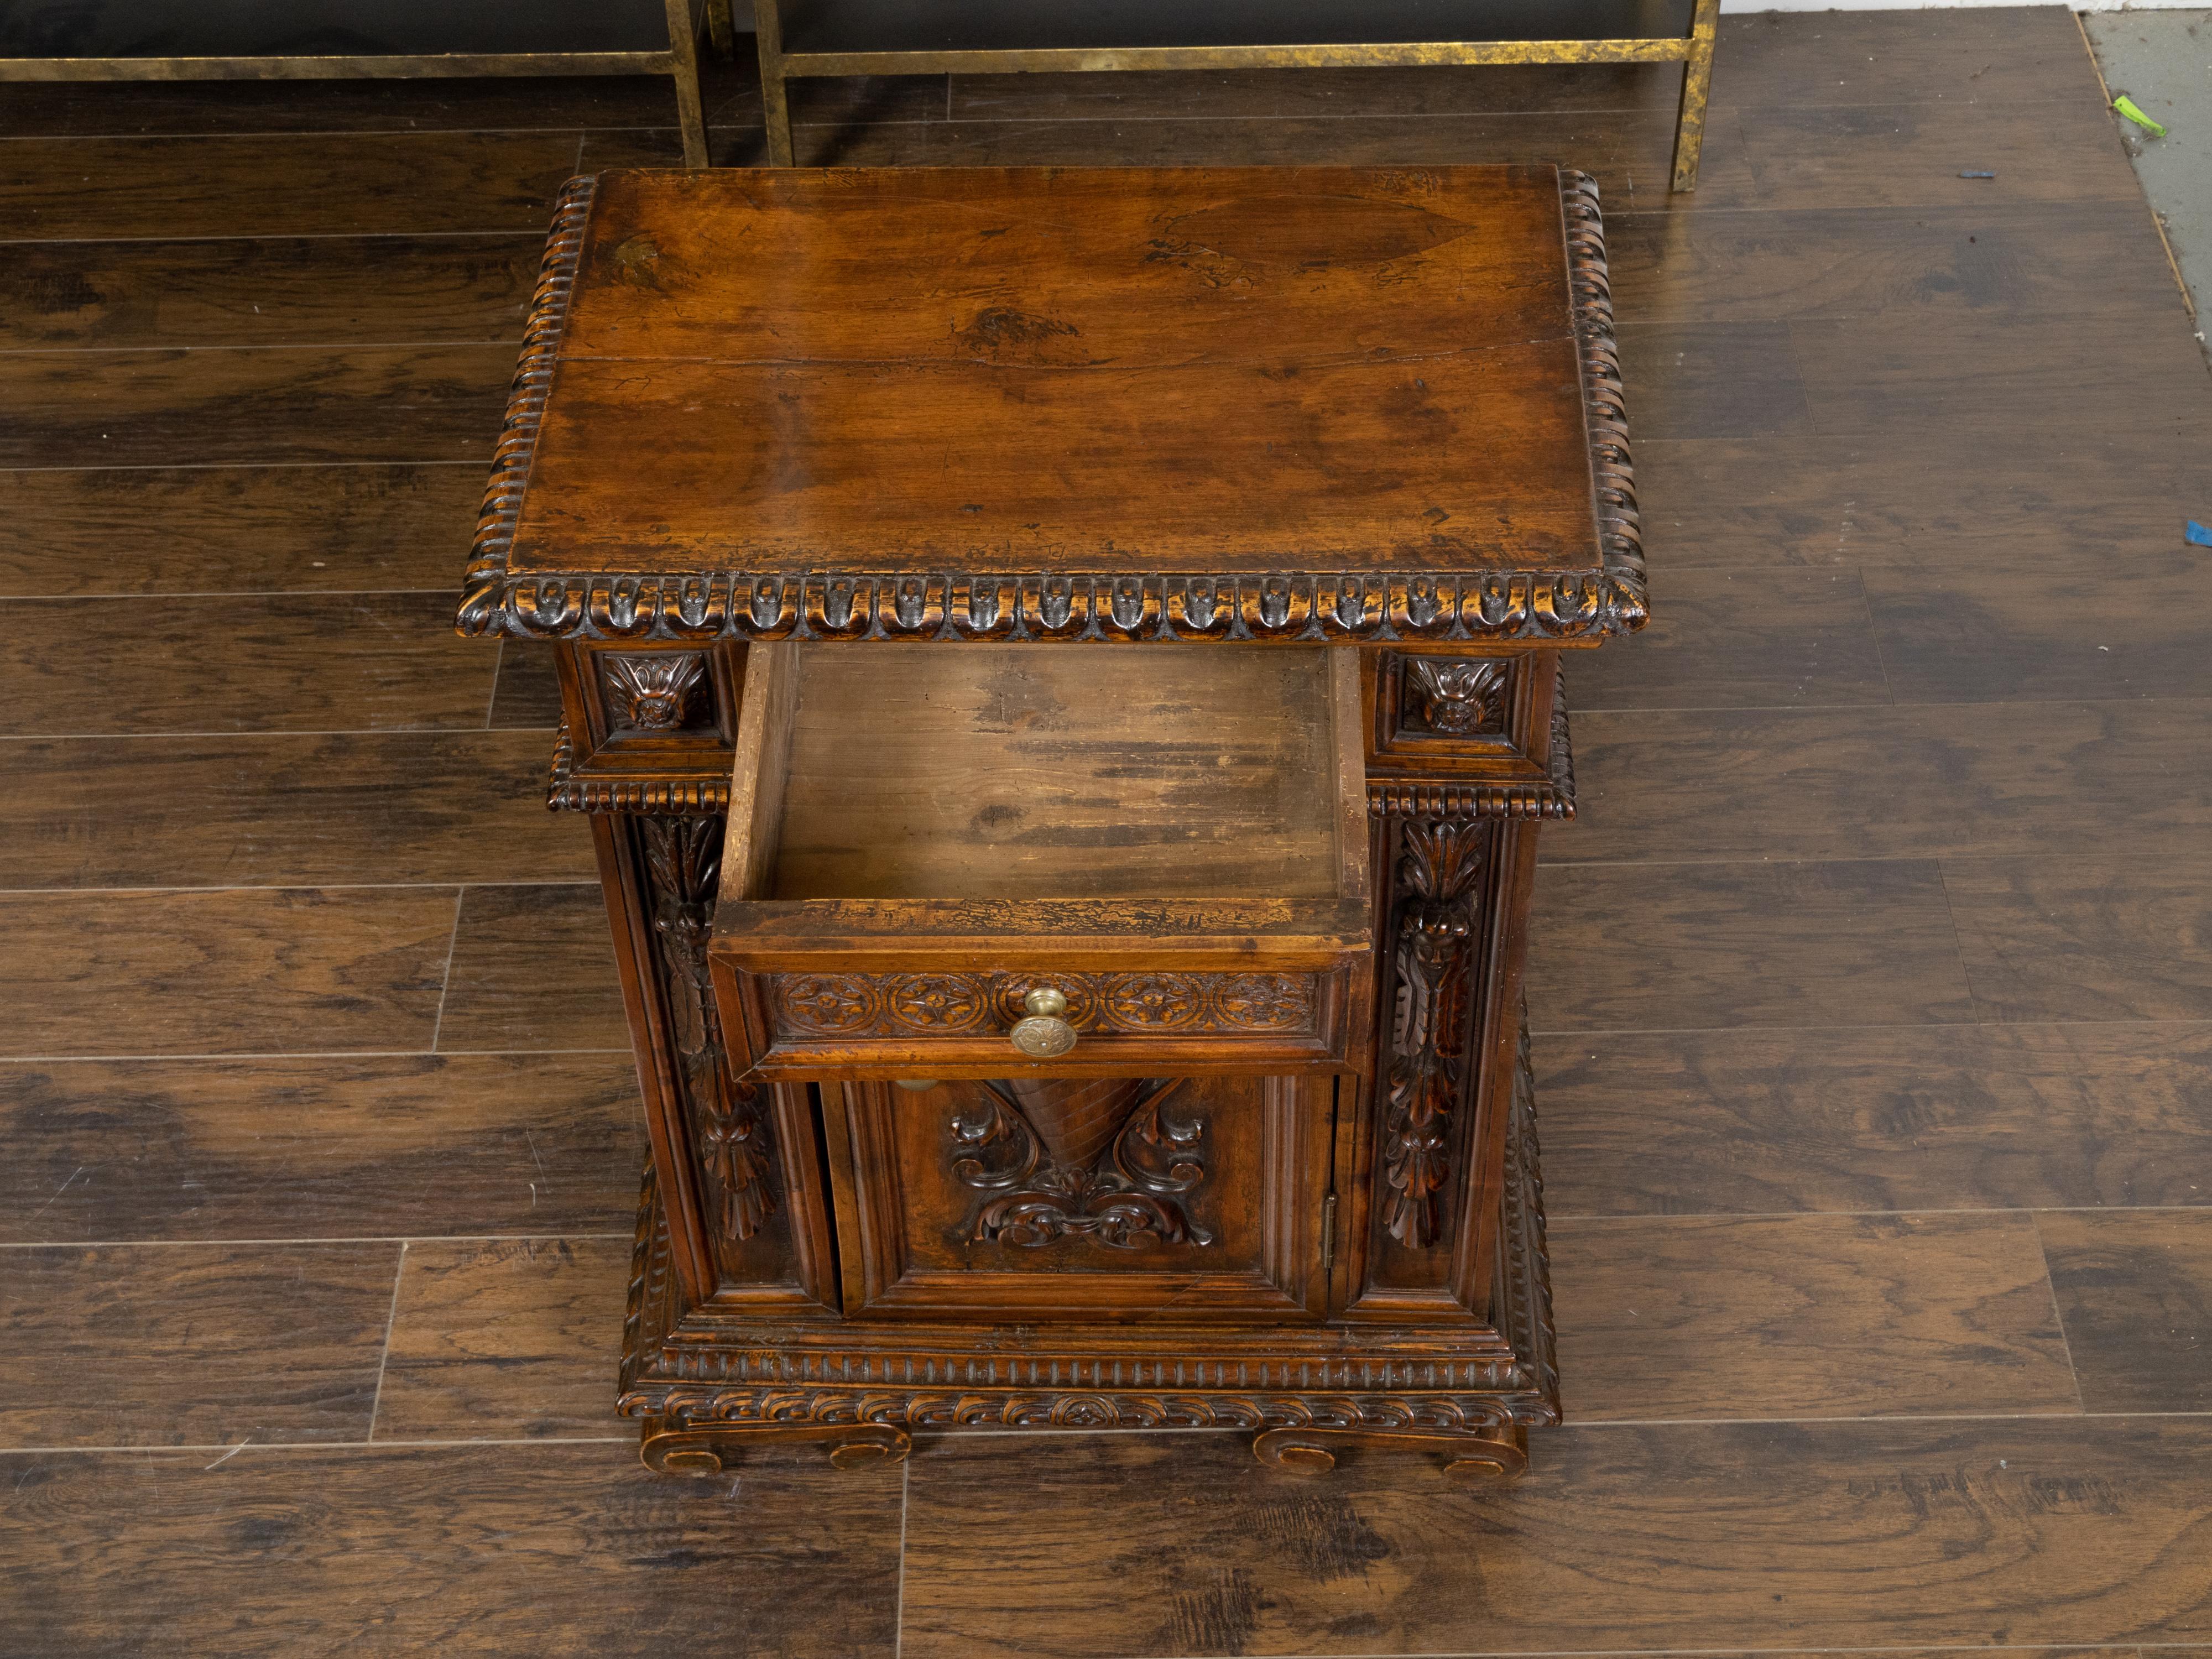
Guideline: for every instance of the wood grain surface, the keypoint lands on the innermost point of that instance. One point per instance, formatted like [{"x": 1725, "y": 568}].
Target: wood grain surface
[
  {"x": 190, "y": 530},
  {"x": 350, "y": 184},
  {"x": 1744, "y": 1316},
  {"x": 278, "y": 809},
  {"x": 164, "y": 408},
  {"x": 236, "y": 971},
  {"x": 1874, "y": 1041},
  {"x": 532, "y": 968},
  {"x": 266, "y": 292},
  {"x": 556, "y": 1550},
  {"x": 1695, "y": 947},
  {"x": 351, "y": 662},
  {"x": 504, "y": 1338},
  {"x": 317, "y": 1147},
  {"x": 2041, "y": 1116},
  {"x": 134, "y": 1345},
  {"x": 2134, "y": 1290},
  {"x": 2019, "y": 1531}
]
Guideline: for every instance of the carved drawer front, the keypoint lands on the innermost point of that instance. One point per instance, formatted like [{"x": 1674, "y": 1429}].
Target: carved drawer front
[
  {"x": 1078, "y": 1199},
  {"x": 1020, "y": 861}
]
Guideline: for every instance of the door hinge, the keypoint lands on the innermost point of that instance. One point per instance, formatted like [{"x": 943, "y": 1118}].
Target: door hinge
[{"x": 1328, "y": 1232}]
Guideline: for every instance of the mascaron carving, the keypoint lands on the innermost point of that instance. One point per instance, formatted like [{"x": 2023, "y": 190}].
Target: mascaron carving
[
  {"x": 1435, "y": 883},
  {"x": 813, "y": 1005},
  {"x": 1128, "y": 1197},
  {"x": 683, "y": 862},
  {"x": 651, "y": 693}
]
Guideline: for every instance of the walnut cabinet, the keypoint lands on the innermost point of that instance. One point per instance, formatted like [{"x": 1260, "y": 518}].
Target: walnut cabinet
[{"x": 1074, "y": 987}]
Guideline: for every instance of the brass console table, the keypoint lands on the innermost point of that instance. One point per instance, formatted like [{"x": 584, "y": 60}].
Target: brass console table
[
  {"x": 680, "y": 63},
  {"x": 829, "y": 37}
]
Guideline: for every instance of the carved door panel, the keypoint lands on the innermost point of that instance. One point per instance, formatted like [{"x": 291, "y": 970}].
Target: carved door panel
[{"x": 1082, "y": 1198}]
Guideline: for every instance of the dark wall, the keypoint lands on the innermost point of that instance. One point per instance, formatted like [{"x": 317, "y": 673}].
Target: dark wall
[{"x": 226, "y": 28}]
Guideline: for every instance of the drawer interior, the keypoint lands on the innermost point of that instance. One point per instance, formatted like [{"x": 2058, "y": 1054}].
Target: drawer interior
[
  {"x": 1037, "y": 772},
  {"x": 1046, "y": 773}
]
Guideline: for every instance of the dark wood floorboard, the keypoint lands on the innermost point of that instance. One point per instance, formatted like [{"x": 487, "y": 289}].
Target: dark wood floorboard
[
  {"x": 340, "y": 184},
  {"x": 1990, "y": 779},
  {"x": 241, "y": 972},
  {"x": 1912, "y": 155},
  {"x": 226, "y": 1342},
  {"x": 495, "y": 1550},
  {"x": 1826, "y": 1535},
  {"x": 366, "y": 403},
  {"x": 1873, "y": 1013},
  {"x": 318, "y": 1147},
  {"x": 1925, "y": 498},
  {"x": 2135, "y": 1288},
  {"x": 280, "y": 809},
  {"x": 1692, "y": 946},
  {"x": 1949, "y": 1117},
  {"x": 507, "y": 1338},
  {"x": 1737, "y": 639},
  {"x": 533, "y": 968},
  {"x": 2122, "y": 936},
  {"x": 1946, "y": 265},
  {"x": 2042, "y": 635},
  {"x": 93, "y": 529},
  {"x": 336, "y": 662},
  {"x": 304, "y": 291},
  {"x": 527, "y": 695},
  {"x": 1744, "y": 1316}
]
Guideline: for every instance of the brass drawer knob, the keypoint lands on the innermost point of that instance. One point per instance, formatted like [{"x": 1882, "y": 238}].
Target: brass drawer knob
[{"x": 1044, "y": 1035}]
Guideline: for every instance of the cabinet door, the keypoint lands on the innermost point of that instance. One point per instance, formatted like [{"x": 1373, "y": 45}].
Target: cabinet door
[{"x": 1126, "y": 1199}]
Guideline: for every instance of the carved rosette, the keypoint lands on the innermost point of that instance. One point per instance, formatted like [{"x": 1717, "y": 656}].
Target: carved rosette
[
  {"x": 683, "y": 862},
  {"x": 651, "y": 693},
  {"x": 1458, "y": 696},
  {"x": 1435, "y": 886},
  {"x": 1128, "y": 1198}
]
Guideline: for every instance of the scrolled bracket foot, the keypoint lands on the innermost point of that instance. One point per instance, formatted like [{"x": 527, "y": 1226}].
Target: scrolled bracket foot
[
  {"x": 707, "y": 1449},
  {"x": 1473, "y": 1457}
]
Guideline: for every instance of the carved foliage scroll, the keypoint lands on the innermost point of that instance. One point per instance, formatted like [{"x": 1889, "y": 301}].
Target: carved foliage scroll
[
  {"x": 1129, "y": 1197},
  {"x": 951, "y": 1005},
  {"x": 1436, "y": 923},
  {"x": 683, "y": 861}
]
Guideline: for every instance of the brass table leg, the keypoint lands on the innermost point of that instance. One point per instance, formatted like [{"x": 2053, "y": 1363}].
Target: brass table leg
[
  {"x": 775, "y": 110},
  {"x": 1697, "y": 83},
  {"x": 690, "y": 113}
]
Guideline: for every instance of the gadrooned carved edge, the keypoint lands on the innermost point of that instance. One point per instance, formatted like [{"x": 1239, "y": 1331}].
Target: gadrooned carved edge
[
  {"x": 483, "y": 588},
  {"x": 1077, "y": 1409},
  {"x": 705, "y": 1382},
  {"x": 644, "y": 797},
  {"x": 1553, "y": 799},
  {"x": 1278, "y": 607},
  {"x": 1605, "y": 410}
]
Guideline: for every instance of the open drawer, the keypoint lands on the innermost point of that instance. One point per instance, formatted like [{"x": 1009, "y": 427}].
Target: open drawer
[{"x": 1161, "y": 854}]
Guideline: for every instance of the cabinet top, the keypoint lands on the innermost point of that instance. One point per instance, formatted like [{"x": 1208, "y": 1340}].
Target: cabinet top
[{"x": 1321, "y": 404}]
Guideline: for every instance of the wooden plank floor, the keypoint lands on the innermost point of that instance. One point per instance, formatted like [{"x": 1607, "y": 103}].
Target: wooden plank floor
[{"x": 1874, "y": 985}]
